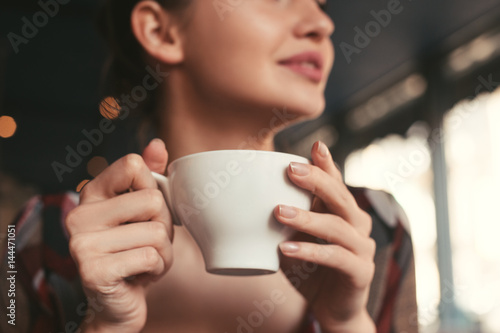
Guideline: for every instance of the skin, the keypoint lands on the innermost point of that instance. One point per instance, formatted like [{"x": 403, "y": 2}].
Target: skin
[{"x": 224, "y": 81}]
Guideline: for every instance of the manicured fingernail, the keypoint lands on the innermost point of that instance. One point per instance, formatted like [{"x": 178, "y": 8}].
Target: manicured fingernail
[
  {"x": 299, "y": 169},
  {"x": 287, "y": 211},
  {"x": 322, "y": 149},
  {"x": 289, "y": 247}
]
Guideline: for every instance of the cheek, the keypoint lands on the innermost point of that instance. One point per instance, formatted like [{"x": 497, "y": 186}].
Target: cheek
[
  {"x": 237, "y": 59},
  {"x": 236, "y": 53}
]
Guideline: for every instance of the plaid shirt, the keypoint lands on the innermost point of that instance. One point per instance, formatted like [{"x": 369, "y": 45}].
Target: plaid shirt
[{"x": 49, "y": 282}]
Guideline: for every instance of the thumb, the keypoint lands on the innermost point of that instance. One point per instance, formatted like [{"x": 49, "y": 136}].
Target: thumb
[{"x": 155, "y": 156}]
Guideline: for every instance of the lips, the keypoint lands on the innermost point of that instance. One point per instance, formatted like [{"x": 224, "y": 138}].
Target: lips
[{"x": 309, "y": 64}]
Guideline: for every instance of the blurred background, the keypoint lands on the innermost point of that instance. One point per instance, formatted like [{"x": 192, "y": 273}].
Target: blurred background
[{"x": 413, "y": 107}]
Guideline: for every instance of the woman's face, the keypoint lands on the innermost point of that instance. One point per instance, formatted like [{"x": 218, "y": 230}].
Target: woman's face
[{"x": 239, "y": 51}]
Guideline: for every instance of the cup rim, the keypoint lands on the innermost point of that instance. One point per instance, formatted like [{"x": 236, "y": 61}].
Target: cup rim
[{"x": 221, "y": 151}]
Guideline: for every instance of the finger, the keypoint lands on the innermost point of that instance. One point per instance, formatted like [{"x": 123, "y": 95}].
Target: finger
[
  {"x": 155, "y": 156},
  {"x": 129, "y": 172},
  {"x": 330, "y": 190},
  {"x": 113, "y": 268},
  {"x": 358, "y": 270},
  {"x": 328, "y": 227},
  {"x": 321, "y": 157},
  {"x": 143, "y": 205},
  {"x": 124, "y": 238}
]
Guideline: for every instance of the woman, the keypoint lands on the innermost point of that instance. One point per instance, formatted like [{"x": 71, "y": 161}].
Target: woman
[{"x": 230, "y": 65}]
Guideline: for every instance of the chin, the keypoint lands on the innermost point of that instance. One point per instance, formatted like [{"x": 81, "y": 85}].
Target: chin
[
  {"x": 304, "y": 101},
  {"x": 297, "y": 104},
  {"x": 307, "y": 109}
]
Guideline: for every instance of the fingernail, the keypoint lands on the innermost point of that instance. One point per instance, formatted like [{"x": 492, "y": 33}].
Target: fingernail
[
  {"x": 287, "y": 211},
  {"x": 289, "y": 247},
  {"x": 157, "y": 141},
  {"x": 299, "y": 169},
  {"x": 322, "y": 149}
]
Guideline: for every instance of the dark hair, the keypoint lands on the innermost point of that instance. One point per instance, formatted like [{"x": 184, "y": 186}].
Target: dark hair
[{"x": 126, "y": 66}]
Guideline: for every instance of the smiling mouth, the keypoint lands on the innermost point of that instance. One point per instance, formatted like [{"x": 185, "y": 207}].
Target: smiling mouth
[
  {"x": 308, "y": 64},
  {"x": 305, "y": 68}
]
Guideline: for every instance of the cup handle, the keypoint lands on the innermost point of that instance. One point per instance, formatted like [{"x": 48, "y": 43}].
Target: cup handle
[{"x": 163, "y": 186}]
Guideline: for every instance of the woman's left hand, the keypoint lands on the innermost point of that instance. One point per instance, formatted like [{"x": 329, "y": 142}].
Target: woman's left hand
[{"x": 330, "y": 261}]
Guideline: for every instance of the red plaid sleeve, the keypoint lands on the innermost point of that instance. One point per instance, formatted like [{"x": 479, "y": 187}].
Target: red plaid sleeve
[{"x": 46, "y": 274}]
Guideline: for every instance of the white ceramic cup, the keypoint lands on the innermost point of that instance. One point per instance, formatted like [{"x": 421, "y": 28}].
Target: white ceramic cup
[{"x": 226, "y": 198}]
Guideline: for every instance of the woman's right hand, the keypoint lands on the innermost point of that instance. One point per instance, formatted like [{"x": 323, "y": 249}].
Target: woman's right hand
[{"x": 120, "y": 239}]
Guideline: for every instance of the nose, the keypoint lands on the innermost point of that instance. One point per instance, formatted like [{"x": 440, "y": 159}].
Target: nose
[{"x": 314, "y": 23}]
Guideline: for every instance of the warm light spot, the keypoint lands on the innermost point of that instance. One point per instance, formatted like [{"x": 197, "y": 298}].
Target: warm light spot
[
  {"x": 96, "y": 165},
  {"x": 109, "y": 108},
  {"x": 8, "y": 126},
  {"x": 81, "y": 185}
]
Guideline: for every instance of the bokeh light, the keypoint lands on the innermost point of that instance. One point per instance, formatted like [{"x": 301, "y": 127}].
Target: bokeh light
[
  {"x": 472, "y": 144},
  {"x": 8, "y": 126},
  {"x": 109, "y": 108},
  {"x": 81, "y": 185},
  {"x": 402, "y": 166},
  {"x": 96, "y": 165}
]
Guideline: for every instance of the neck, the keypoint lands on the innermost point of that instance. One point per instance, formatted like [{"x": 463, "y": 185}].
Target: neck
[{"x": 189, "y": 125}]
